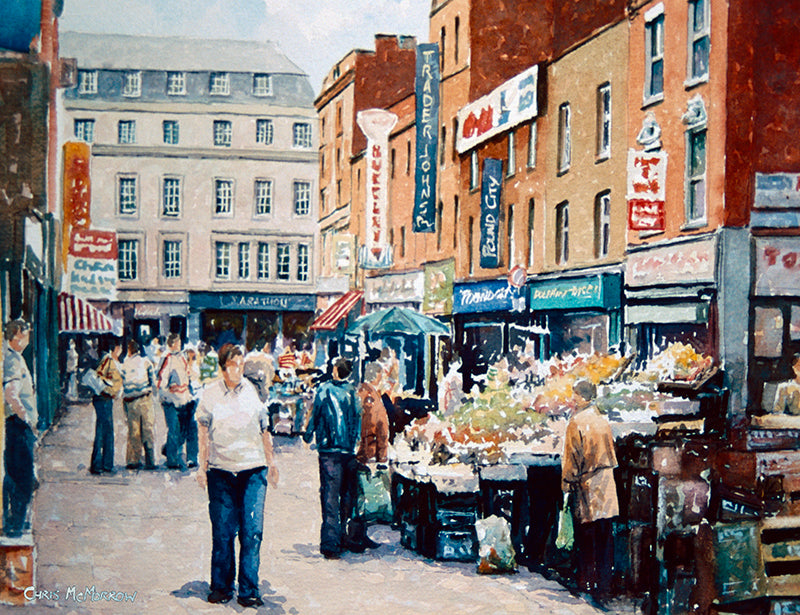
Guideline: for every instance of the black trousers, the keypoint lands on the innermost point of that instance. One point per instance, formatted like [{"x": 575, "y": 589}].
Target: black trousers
[
  {"x": 338, "y": 482},
  {"x": 594, "y": 550},
  {"x": 19, "y": 479}
]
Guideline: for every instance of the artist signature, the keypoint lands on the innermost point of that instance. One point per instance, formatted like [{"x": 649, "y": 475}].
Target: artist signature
[{"x": 72, "y": 593}]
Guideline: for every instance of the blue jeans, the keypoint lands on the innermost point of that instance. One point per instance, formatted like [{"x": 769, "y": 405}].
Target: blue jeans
[
  {"x": 236, "y": 506},
  {"x": 103, "y": 449},
  {"x": 338, "y": 484},
  {"x": 181, "y": 428},
  {"x": 19, "y": 479}
]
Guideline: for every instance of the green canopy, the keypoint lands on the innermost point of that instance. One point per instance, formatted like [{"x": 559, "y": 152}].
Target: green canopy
[{"x": 398, "y": 320}]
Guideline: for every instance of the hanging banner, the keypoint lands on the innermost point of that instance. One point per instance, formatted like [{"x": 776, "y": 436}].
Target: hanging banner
[
  {"x": 376, "y": 124},
  {"x": 490, "y": 212},
  {"x": 427, "y": 122},
  {"x": 92, "y": 264},
  {"x": 647, "y": 176},
  {"x": 504, "y": 107},
  {"x": 76, "y": 190}
]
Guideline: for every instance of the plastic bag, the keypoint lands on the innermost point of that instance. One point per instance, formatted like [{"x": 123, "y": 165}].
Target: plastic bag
[
  {"x": 92, "y": 381},
  {"x": 374, "y": 495},
  {"x": 495, "y": 551},
  {"x": 566, "y": 530}
]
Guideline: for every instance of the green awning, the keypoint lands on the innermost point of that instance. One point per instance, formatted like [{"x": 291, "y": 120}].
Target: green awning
[{"x": 398, "y": 320}]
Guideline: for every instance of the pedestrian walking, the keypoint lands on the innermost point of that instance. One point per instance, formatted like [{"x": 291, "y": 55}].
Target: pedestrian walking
[
  {"x": 373, "y": 447},
  {"x": 138, "y": 384},
  {"x": 236, "y": 463},
  {"x": 173, "y": 384},
  {"x": 335, "y": 423},
  {"x": 259, "y": 368},
  {"x": 21, "y": 417},
  {"x": 110, "y": 373},
  {"x": 587, "y": 477},
  {"x": 72, "y": 371}
]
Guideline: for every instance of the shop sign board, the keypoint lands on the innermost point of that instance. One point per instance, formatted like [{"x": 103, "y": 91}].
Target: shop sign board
[
  {"x": 503, "y": 108},
  {"x": 427, "y": 135},
  {"x": 687, "y": 263},
  {"x": 395, "y": 288},
  {"x": 777, "y": 266},
  {"x": 489, "y": 296},
  {"x": 252, "y": 301},
  {"x": 376, "y": 124},
  {"x": 92, "y": 264},
  {"x": 439, "y": 277},
  {"x": 600, "y": 291},
  {"x": 777, "y": 190},
  {"x": 155, "y": 310},
  {"x": 491, "y": 190},
  {"x": 647, "y": 175}
]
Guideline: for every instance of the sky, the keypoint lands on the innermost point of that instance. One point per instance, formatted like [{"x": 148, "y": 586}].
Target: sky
[{"x": 314, "y": 34}]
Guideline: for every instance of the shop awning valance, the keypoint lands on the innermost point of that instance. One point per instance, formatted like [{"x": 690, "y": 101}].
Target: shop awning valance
[
  {"x": 76, "y": 315},
  {"x": 334, "y": 313}
]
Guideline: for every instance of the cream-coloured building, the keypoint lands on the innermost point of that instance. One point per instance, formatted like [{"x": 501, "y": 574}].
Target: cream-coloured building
[{"x": 204, "y": 161}]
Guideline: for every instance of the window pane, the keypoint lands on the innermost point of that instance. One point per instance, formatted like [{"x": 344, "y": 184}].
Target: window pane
[
  {"x": 302, "y": 263},
  {"x": 264, "y": 132},
  {"x": 223, "y": 196},
  {"x": 302, "y": 198},
  {"x": 84, "y": 130},
  {"x": 127, "y": 195},
  {"x": 127, "y": 259},
  {"x": 700, "y": 57},
  {"x": 219, "y": 83},
  {"x": 301, "y": 135},
  {"x": 262, "y": 85},
  {"x": 263, "y": 261},
  {"x": 657, "y": 77},
  {"x": 172, "y": 196},
  {"x": 222, "y": 133},
  {"x": 697, "y": 144},
  {"x": 263, "y": 191},
  {"x": 244, "y": 261},
  {"x": 699, "y": 16},
  {"x": 176, "y": 83},
  {"x": 126, "y": 131},
  {"x": 172, "y": 259},
  {"x": 171, "y": 132},
  {"x": 283, "y": 261},
  {"x": 223, "y": 261},
  {"x": 697, "y": 195}
]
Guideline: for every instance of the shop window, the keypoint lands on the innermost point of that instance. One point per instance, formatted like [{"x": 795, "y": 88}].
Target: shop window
[
  {"x": 602, "y": 224},
  {"x": 564, "y": 138},
  {"x": 603, "y": 122},
  {"x": 768, "y": 332},
  {"x": 562, "y": 233},
  {"x": 699, "y": 40},
  {"x": 654, "y": 54}
]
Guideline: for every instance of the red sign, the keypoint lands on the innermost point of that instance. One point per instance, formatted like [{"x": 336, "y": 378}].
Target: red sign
[
  {"x": 77, "y": 193},
  {"x": 646, "y": 215},
  {"x": 87, "y": 243}
]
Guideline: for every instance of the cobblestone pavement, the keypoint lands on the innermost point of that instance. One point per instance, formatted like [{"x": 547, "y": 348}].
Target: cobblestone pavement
[{"x": 144, "y": 537}]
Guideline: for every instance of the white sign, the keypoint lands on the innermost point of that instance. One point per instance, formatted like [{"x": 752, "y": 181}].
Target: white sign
[
  {"x": 777, "y": 190},
  {"x": 688, "y": 263},
  {"x": 92, "y": 278},
  {"x": 778, "y": 266},
  {"x": 399, "y": 288},
  {"x": 504, "y": 107},
  {"x": 376, "y": 124},
  {"x": 647, "y": 175}
]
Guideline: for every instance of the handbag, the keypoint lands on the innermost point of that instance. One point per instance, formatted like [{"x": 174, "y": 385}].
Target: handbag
[
  {"x": 374, "y": 495},
  {"x": 566, "y": 531},
  {"x": 92, "y": 381}
]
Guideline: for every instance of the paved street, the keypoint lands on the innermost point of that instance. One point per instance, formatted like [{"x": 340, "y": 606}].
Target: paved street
[{"x": 149, "y": 533}]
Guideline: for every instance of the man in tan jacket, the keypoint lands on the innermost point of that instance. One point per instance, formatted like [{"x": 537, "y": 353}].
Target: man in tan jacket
[{"x": 587, "y": 476}]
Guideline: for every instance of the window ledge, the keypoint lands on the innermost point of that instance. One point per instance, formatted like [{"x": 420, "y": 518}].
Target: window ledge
[
  {"x": 602, "y": 158},
  {"x": 694, "y": 225},
  {"x": 653, "y": 100},
  {"x": 648, "y": 234},
  {"x": 694, "y": 82}
]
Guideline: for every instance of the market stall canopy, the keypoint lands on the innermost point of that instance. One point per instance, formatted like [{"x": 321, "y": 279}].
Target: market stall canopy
[
  {"x": 399, "y": 320},
  {"x": 334, "y": 313},
  {"x": 76, "y": 315}
]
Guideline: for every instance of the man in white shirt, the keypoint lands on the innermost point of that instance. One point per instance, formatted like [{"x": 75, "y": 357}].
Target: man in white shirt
[
  {"x": 178, "y": 405},
  {"x": 138, "y": 383},
  {"x": 236, "y": 462}
]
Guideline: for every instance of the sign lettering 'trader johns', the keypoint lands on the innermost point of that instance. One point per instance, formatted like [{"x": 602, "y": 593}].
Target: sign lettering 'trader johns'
[{"x": 427, "y": 120}]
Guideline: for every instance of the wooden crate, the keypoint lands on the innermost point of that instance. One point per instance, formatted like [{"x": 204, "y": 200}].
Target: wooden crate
[
  {"x": 16, "y": 570},
  {"x": 780, "y": 550}
]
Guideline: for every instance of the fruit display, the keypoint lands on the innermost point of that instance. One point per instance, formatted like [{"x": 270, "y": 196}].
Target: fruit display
[{"x": 677, "y": 362}]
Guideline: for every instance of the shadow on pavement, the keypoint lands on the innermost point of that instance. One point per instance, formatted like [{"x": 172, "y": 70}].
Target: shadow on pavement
[{"x": 200, "y": 589}]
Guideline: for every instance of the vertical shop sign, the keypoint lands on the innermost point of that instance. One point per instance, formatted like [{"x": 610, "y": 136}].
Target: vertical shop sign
[
  {"x": 490, "y": 213},
  {"x": 647, "y": 175},
  {"x": 376, "y": 124},
  {"x": 77, "y": 191},
  {"x": 427, "y": 120}
]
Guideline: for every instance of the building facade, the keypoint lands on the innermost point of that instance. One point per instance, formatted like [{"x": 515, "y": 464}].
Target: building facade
[{"x": 204, "y": 163}]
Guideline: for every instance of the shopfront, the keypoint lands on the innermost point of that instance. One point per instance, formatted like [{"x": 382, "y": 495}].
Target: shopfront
[
  {"x": 484, "y": 314},
  {"x": 580, "y": 313},
  {"x": 774, "y": 316},
  {"x": 247, "y": 318},
  {"x": 671, "y": 296}
]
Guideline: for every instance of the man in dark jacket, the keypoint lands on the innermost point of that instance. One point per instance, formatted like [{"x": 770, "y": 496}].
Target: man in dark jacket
[{"x": 335, "y": 422}]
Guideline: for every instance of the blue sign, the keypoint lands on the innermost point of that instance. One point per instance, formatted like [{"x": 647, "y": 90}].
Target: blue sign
[
  {"x": 427, "y": 118},
  {"x": 252, "y": 301},
  {"x": 490, "y": 213},
  {"x": 489, "y": 296}
]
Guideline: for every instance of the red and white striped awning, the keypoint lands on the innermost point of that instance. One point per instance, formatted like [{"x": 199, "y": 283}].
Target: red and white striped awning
[
  {"x": 334, "y": 313},
  {"x": 77, "y": 315}
]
